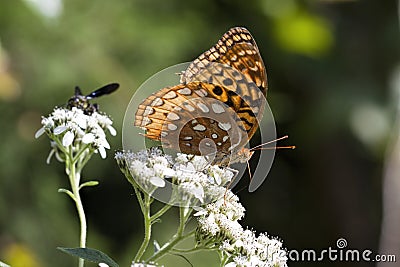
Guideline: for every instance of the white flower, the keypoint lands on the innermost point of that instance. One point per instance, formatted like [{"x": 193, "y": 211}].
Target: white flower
[
  {"x": 60, "y": 114},
  {"x": 181, "y": 158},
  {"x": 193, "y": 179},
  {"x": 209, "y": 224},
  {"x": 218, "y": 221},
  {"x": 71, "y": 127},
  {"x": 47, "y": 122},
  {"x": 88, "y": 138}
]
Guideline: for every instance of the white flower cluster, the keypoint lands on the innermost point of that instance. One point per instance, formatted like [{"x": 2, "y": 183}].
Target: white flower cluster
[
  {"x": 199, "y": 183},
  {"x": 218, "y": 224},
  {"x": 193, "y": 180},
  {"x": 71, "y": 127}
]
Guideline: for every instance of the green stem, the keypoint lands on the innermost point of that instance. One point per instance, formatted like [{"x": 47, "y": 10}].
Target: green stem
[
  {"x": 224, "y": 258},
  {"x": 140, "y": 199},
  {"x": 184, "y": 214},
  {"x": 60, "y": 145},
  {"x": 79, "y": 154},
  {"x": 159, "y": 213},
  {"x": 145, "y": 206},
  {"x": 74, "y": 179},
  {"x": 194, "y": 249}
]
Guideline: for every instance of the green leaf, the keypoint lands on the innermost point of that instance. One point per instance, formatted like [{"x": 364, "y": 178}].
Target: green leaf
[
  {"x": 69, "y": 193},
  {"x": 90, "y": 254},
  {"x": 90, "y": 183},
  {"x": 2, "y": 264}
]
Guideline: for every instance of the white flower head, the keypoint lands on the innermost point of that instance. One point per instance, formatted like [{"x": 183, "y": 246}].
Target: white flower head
[
  {"x": 73, "y": 130},
  {"x": 192, "y": 178},
  {"x": 218, "y": 223},
  {"x": 197, "y": 183}
]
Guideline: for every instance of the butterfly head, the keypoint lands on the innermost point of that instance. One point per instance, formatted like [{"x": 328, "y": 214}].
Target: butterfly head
[{"x": 244, "y": 155}]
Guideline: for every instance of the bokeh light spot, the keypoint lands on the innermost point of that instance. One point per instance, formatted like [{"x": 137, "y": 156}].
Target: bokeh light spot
[{"x": 304, "y": 33}]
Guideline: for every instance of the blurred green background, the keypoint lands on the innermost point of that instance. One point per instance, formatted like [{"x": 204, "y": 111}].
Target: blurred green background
[{"x": 332, "y": 69}]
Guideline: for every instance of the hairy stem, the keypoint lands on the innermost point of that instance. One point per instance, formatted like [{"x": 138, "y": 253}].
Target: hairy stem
[
  {"x": 184, "y": 214},
  {"x": 74, "y": 179},
  {"x": 145, "y": 207}
]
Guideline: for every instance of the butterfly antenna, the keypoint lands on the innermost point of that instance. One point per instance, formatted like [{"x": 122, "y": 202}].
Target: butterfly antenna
[
  {"x": 260, "y": 147},
  {"x": 276, "y": 147}
]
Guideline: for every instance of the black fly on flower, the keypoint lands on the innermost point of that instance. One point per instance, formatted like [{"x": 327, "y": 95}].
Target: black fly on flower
[
  {"x": 79, "y": 126},
  {"x": 82, "y": 101}
]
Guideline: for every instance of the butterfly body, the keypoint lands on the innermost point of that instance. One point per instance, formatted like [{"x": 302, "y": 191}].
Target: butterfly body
[{"x": 216, "y": 108}]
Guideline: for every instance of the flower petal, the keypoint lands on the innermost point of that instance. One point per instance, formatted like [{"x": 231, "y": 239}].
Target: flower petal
[
  {"x": 88, "y": 138},
  {"x": 198, "y": 193},
  {"x": 157, "y": 181},
  {"x": 81, "y": 121},
  {"x": 102, "y": 152},
  {"x": 68, "y": 138},
  {"x": 201, "y": 212},
  {"x": 112, "y": 131},
  {"x": 50, "y": 156},
  {"x": 39, "y": 132},
  {"x": 106, "y": 144},
  {"x": 168, "y": 172},
  {"x": 60, "y": 129}
]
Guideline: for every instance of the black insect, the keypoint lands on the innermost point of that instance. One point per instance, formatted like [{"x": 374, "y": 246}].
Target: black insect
[{"x": 82, "y": 102}]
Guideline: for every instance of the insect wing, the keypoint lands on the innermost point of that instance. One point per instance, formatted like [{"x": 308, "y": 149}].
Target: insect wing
[{"x": 105, "y": 90}]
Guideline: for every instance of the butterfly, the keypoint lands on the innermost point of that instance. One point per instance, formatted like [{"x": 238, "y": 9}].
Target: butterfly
[
  {"x": 216, "y": 109},
  {"x": 81, "y": 101}
]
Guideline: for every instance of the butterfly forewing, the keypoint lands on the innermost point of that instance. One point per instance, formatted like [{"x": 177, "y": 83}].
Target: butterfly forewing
[
  {"x": 238, "y": 49},
  {"x": 236, "y": 91}
]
